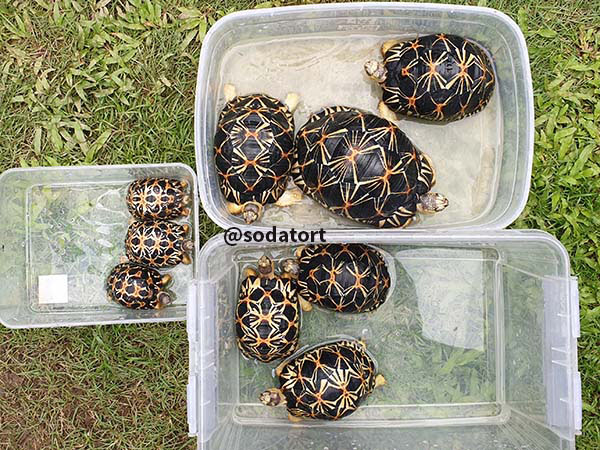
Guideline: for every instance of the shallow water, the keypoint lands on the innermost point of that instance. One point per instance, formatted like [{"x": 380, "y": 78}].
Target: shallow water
[
  {"x": 433, "y": 338},
  {"x": 328, "y": 70}
]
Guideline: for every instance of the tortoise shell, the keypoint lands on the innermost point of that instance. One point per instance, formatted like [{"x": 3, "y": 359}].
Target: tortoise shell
[
  {"x": 137, "y": 286},
  {"x": 437, "y": 77},
  {"x": 158, "y": 199},
  {"x": 253, "y": 149},
  {"x": 349, "y": 278},
  {"x": 329, "y": 381},
  {"x": 267, "y": 317},
  {"x": 158, "y": 243},
  {"x": 361, "y": 166}
]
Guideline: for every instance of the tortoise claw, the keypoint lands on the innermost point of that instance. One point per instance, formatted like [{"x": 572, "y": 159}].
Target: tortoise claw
[
  {"x": 186, "y": 259},
  {"x": 305, "y": 305},
  {"x": 294, "y": 419},
  {"x": 166, "y": 279}
]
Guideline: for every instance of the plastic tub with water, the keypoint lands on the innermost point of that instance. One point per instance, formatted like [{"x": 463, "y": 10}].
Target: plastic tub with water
[
  {"x": 62, "y": 231},
  {"x": 477, "y": 341},
  {"x": 483, "y": 162}
]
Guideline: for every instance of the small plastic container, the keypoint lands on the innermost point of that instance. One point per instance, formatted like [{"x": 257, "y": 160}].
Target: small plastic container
[
  {"x": 483, "y": 162},
  {"x": 62, "y": 231},
  {"x": 477, "y": 341}
]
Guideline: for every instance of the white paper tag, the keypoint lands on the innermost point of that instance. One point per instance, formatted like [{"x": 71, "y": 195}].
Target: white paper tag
[{"x": 53, "y": 289}]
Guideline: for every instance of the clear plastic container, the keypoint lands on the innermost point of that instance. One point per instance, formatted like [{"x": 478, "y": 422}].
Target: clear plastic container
[
  {"x": 483, "y": 162},
  {"x": 62, "y": 230},
  {"x": 477, "y": 341}
]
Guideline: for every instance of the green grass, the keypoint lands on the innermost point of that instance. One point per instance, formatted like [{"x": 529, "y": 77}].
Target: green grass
[{"x": 113, "y": 82}]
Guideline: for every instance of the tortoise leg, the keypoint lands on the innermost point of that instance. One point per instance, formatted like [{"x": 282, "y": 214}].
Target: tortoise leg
[
  {"x": 299, "y": 251},
  {"x": 279, "y": 368},
  {"x": 233, "y": 208},
  {"x": 291, "y": 101},
  {"x": 380, "y": 381},
  {"x": 386, "y": 112},
  {"x": 290, "y": 197},
  {"x": 166, "y": 279},
  {"x": 186, "y": 229},
  {"x": 186, "y": 259},
  {"x": 186, "y": 212},
  {"x": 387, "y": 45},
  {"x": 184, "y": 184},
  {"x": 229, "y": 91},
  {"x": 305, "y": 304},
  {"x": 249, "y": 271},
  {"x": 294, "y": 419},
  {"x": 186, "y": 199}
]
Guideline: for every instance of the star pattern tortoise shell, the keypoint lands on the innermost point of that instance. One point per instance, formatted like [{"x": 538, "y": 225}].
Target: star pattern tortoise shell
[
  {"x": 158, "y": 199},
  {"x": 350, "y": 278},
  {"x": 253, "y": 148},
  {"x": 158, "y": 243},
  {"x": 138, "y": 287},
  {"x": 363, "y": 167},
  {"x": 267, "y": 315},
  {"x": 438, "y": 77},
  {"x": 329, "y": 381}
]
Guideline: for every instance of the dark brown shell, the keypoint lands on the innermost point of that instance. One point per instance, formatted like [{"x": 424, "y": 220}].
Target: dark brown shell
[
  {"x": 157, "y": 198},
  {"x": 156, "y": 243},
  {"x": 351, "y": 278},
  {"x": 437, "y": 77},
  {"x": 361, "y": 166},
  {"x": 253, "y": 149},
  {"x": 135, "y": 286},
  {"x": 267, "y": 318},
  {"x": 329, "y": 381}
]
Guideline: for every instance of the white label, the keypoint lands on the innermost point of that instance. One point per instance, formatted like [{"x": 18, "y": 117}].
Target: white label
[{"x": 53, "y": 289}]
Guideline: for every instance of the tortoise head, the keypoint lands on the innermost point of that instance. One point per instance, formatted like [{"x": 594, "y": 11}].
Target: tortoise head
[
  {"x": 265, "y": 266},
  {"x": 376, "y": 70},
  {"x": 164, "y": 299},
  {"x": 251, "y": 212},
  {"x": 432, "y": 202},
  {"x": 272, "y": 397},
  {"x": 290, "y": 268}
]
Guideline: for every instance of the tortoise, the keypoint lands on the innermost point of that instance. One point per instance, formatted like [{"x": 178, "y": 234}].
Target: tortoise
[
  {"x": 254, "y": 145},
  {"x": 138, "y": 286},
  {"x": 267, "y": 315},
  {"x": 328, "y": 381},
  {"x": 363, "y": 167},
  {"x": 158, "y": 243},
  {"x": 439, "y": 77},
  {"x": 158, "y": 199},
  {"x": 350, "y": 278}
]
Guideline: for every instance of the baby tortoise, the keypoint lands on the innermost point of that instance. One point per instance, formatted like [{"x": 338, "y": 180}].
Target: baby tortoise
[
  {"x": 137, "y": 286},
  {"x": 158, "y": 199},
  {"x": 363, "y": 167},
  {"x": 158, "y": 243},
  {"x": 267, "y": 316},
  {"x": 439, "y": 77},
  {"x": 349, "y": 278},
  {"x": 254, "y": 146},
  {"x": 329, "y": 381}
]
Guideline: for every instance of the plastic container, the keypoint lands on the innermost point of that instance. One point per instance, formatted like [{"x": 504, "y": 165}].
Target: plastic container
[
  {"x": 483, "y": 162},
  {"x": 62, "y": 230},
  {"x": 477, "y": 340}
]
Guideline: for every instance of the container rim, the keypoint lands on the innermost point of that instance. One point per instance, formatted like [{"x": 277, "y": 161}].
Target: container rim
[
  {"x": 528, "y": 113},
  {"x": 387, "y": 237}
]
